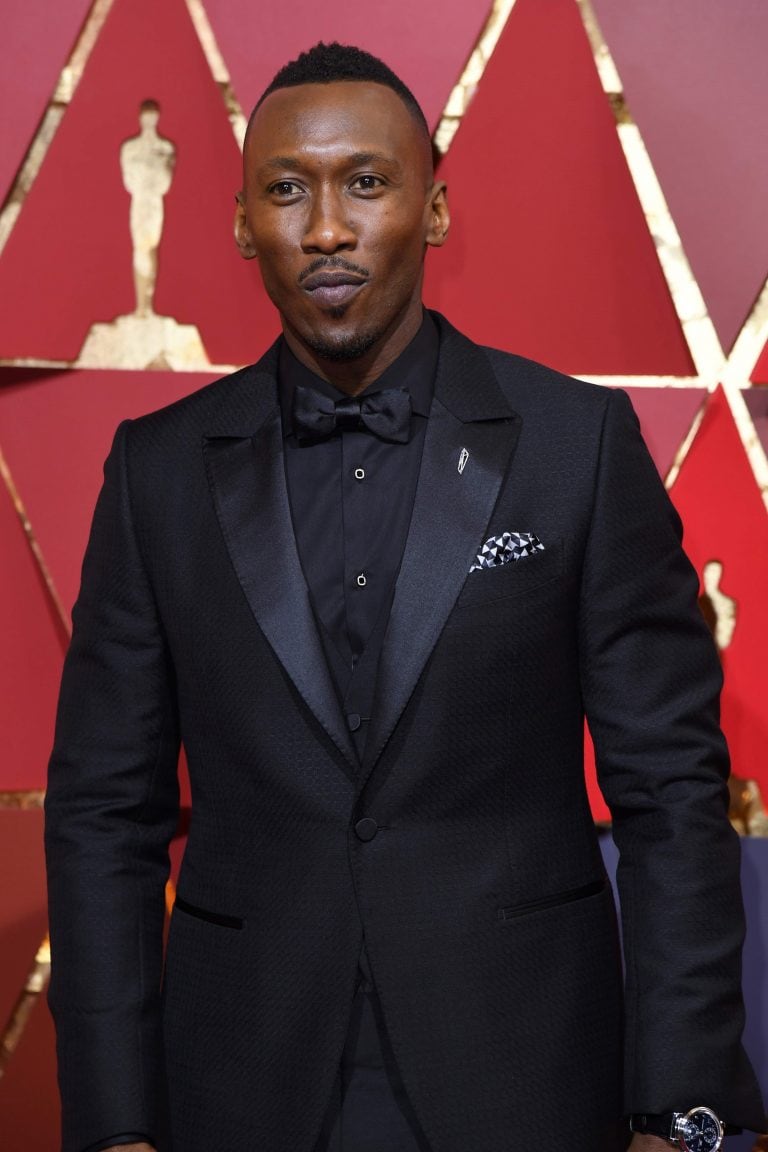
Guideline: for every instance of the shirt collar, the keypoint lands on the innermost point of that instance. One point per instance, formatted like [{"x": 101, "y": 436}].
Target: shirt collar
[{"x": 414, "y": 369}]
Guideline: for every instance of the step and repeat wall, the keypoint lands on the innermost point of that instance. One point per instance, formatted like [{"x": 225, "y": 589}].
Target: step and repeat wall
[{"x": 608, "y": 179}]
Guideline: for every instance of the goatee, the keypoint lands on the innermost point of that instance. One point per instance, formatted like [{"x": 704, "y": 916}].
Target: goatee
[{"x": 342, "y": 348}]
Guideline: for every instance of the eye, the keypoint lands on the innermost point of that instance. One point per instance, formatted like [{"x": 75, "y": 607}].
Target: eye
[
  {"x": 367, "y": 183},
  {"x": 284, "y": 189}
]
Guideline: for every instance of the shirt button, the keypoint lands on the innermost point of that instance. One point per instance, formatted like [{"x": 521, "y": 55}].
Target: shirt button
[
  {"x": 361, "y": 580},
  {"x": 353, "y": 721},
  {"x": 359, "y": 473},
  {"x": 366, "y": 828}
]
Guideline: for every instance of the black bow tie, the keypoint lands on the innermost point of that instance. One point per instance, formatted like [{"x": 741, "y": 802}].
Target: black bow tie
[{"x": 387, "y": 414}]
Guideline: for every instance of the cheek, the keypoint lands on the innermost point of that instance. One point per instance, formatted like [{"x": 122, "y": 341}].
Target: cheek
[
  {"x": 276, "y": 236},
  {"x": 393, "y": 238},
  {"x": 276, "y": 260},
  {"x": 401, "y": 257}
]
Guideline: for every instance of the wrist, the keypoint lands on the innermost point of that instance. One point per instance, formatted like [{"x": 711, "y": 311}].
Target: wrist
[{"x": 698, "y": 1128}]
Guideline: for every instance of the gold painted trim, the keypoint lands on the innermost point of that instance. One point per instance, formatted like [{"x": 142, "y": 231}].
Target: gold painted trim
[
  {"x": 686, "y": 443},
  {"x": 34, "y": 985},
  {"x": 34, "y": 362},
  {"x": 21, "y": 512},
  {"x": 462, "y": 93},
  {"x": 67, "y": 366},
  {"x": 750, "y": 439},
  {"x": 218, "y": 67},
  {"x": 65, "y": 89},
  {"x": 698, "y": 329},
  {"x": 21, "y": 801},
  {"x": 749, "y": 343}
]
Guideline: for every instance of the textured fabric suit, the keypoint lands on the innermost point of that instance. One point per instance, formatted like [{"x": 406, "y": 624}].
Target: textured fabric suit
[{"x": 479, "y": 888}]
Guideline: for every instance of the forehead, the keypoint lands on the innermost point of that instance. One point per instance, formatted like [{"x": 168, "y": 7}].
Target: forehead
[{"x": 331, "y": 119}]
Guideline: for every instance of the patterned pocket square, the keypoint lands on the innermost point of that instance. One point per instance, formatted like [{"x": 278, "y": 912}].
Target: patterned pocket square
[{"x": 509, "y": 546}]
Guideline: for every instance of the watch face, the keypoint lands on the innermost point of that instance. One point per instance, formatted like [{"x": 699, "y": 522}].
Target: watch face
[{"x": 700, "y": 1131}]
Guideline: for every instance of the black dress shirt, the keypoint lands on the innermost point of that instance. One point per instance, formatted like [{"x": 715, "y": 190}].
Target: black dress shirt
[{"x": 351, "y": 498}]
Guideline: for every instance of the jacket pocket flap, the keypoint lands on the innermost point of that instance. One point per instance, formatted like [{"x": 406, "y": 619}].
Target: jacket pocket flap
[{"x": 513, "y": 578}]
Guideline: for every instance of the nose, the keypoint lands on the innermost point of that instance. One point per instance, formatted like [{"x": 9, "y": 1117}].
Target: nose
[{"x": 327, "y": 229}]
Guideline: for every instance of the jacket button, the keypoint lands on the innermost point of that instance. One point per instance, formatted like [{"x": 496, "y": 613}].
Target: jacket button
[
  {"x": 366, "y": 828},
  {"x": 353, "y": 721}
]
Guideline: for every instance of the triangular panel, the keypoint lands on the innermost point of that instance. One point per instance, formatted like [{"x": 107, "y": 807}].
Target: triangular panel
[
  {"x": 550, "y": 254},
  {"x": 600, "y": 810},
  {"x": 23, "y": 919},
  {"x": 666, "y": 416},
  {"x": 68, "y": 262},
  {"x": 31, "y": 67},
  {"x": 697, "y": 85},
  {"x": 426, "y": 43},
  {"x": 757, "y": 403},
  {"x": 33, "y": 643},
  {"x": 56, "y": 431},
  {"x": 29, "y": 1100},
  {"x": 760, "y": 371}
]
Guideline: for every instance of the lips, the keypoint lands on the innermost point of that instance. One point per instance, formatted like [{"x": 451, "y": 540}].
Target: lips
[{"x": 333, "y": 288}]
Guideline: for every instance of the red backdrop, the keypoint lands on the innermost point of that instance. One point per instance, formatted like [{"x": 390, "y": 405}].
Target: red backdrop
[{"x": 550, "y": 255}]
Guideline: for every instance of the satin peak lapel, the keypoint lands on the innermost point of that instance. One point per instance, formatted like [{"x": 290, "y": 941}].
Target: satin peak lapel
[
  {"x": 470, "y": 441},
  {"x": 244, "y": 460}
]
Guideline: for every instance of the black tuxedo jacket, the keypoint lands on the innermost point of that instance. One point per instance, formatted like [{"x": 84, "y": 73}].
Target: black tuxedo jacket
[{"x": 476, "y": 879}]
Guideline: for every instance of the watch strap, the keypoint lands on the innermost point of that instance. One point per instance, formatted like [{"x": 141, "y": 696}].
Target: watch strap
[{"x": 661, "y": 1124}]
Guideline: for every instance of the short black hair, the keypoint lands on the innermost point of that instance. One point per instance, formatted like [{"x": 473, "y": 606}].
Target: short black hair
[{"x": 330, "y": 63}]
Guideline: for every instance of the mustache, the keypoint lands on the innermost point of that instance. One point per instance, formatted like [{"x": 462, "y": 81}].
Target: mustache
[{"x": 335, "y": 263}]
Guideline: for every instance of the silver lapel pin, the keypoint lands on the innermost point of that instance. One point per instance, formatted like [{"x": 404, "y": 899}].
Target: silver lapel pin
[{"x": 463, "y": 457}]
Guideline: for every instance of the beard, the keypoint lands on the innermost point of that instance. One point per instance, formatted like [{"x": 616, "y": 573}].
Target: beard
[{"x": 344, "y": 346}]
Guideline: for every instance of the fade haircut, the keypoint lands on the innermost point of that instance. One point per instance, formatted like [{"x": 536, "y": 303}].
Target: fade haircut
[{"x": 330, "y": 63}]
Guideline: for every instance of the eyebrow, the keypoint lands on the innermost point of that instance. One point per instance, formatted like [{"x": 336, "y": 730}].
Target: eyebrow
[
  {"x": 370, "y": 158},
  {"x": 280, "y": 163}
]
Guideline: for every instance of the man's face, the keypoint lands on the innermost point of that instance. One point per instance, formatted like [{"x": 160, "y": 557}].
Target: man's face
[{"x": 338, "y": 206}]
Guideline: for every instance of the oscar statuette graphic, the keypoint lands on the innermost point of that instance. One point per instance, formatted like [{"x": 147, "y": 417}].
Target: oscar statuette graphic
[{"x": 143, "y": 339}]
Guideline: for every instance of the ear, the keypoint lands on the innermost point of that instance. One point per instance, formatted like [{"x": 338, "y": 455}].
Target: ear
[
  {"x": 439, "y": 216},
  {"x": 243, "y": 237}
]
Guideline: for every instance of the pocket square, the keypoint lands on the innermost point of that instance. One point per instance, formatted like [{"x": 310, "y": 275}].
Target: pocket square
[{"x": 509, "y": 546}]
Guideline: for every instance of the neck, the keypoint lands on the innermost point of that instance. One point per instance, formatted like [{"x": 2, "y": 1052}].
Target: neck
[{"x": 353, "y": 376}]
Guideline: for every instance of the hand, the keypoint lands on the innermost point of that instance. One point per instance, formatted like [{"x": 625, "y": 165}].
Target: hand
[{"x": 642, "y": 1142}]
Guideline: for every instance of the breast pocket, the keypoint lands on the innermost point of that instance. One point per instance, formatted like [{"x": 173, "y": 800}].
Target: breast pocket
[{"x": 515, "y": 578}]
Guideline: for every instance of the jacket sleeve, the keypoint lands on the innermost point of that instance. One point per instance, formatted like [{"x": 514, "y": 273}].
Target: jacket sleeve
[
  {"x": 651, "y": 681},
  {"x": 111, "y": 810}
]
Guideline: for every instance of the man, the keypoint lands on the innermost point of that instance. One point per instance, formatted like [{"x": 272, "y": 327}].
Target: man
[{"x": 373, "y": 583}]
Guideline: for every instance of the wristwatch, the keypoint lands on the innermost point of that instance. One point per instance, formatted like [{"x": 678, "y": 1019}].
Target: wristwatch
[{"x": 699, "y": 1130}]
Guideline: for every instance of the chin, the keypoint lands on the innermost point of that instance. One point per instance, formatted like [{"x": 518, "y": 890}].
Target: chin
[{"x": 349, "y": 344}]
